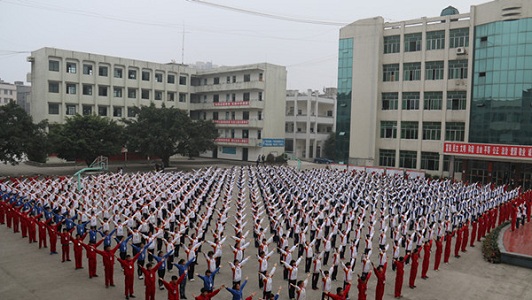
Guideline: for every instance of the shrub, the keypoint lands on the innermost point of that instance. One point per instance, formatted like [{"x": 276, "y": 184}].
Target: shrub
[{"x": 490, "y": 245}]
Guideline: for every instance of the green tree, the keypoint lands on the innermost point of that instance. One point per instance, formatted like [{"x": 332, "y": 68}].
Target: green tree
[
  {"x": 157, "y": 131},
  {"x": 329, "y": 146},
  {"x": 86, "y": 137},
  {"x": 18, "y": 134},
  {"x": 199, "y": 137}
]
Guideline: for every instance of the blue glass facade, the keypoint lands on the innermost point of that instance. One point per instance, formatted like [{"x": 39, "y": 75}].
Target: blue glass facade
[
  {"x": 343, "y": 110},
  {"x": 501, "y": 107}
]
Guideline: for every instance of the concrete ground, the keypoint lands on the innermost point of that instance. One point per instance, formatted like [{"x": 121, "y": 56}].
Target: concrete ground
[{"x": 27, "y": 272}]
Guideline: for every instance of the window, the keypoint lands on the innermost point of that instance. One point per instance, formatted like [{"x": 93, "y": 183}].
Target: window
[
  {"x": 183, "y": 80},
  {"x": 215, "y": 98},
  {"x": 102, "y": 111},
  {"x": 435, "y": 40},
  {"x": 131, "y": 112},
  {"x": 259, "y": 114},
  {"x": 386, "y": 158},
  {"x": 87, "y": 110},
  {"x": 245, "y": 115},
  {"x": 145, "y": 94},
  {"x": 71, "y": 67},
  {"x": 454, "y": 131},
  {"x": 87, "y": 69},
  {"x": 117, "y": 111},
  {"x": 432, "y": 100},
  {"x": 119, "y": 72},
  {"x": 131, "y": 93},
  {"x": 409, "y": 130},
  {"x": 215, "y": 115},
  {"x": 227, "y": 97},
  {"x": 245, "y": 96},
  {"x": 145, "y": 75},
  {"x": 456, "y": 100},
  {"x": 247, "y": 77},
  {"x": 392, "y": 44},
  {"x": 259, "y": 134},
  {"x": 170, "y": 96},
  {"x": 260, "y": 96},
  {"x": 434, "y": 70},
  {"x": 70, "y": 109},
  {"x": 103, "y": 71},
  {"x": 53, "y": 108},
  {"x": 410, "y": 101},
  {"x": 234, "y": 78},
  {"x": 53, "y": 87},
  {"x": 430, "y": 160},
  {"x": 411, "y": 71},
  {"x": 158, "y": 95},
  {"x": 71, "y": 88},
  {"x": 102, "y": 90},
  {"x": 390, "y": 72},
  {"x": 170, "y": 79},
  {"x": 388, "y": 129},
  {"x": 407, "y": 159},
  {"x": 432, "y": 131},
  {"x": 457, "y": 69},
  {"x": 245, "y": 133},
  {"x": 233, "y": 97},
  {"x": 87, "y": 89},
  {"x": 413, "y": 42},
  {"x": 390, "y": 101},
  {"x": 228, "y": 79},
  {"x": 53, "y": 65},
  {"x": 459, "y": 37},
  {"x": 233, "y": 115},
  {"x": 158, "y": 77},
  {"x": 204, "y": 81},
  {"x": 132, "y": 74},
  {"x": 232, "y": 133},
  {"x": 182, "y": 97},
  {"x": 117, "y": 92},
  {"x": 446, "y": 163},
  {"x": 261, "y": 77},
  {"x": 216, "y": 80}
]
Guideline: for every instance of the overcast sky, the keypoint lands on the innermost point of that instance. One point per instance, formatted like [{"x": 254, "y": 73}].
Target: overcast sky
[{"x": 152, "y": 30}]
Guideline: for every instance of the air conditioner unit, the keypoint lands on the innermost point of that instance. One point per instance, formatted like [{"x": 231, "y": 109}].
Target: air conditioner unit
[
  {"x": 30, "y": 59},
  {"x": 461, "y": 51}
]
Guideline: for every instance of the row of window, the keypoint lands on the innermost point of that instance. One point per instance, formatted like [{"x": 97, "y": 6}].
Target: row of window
[
  {"x": 118, "y": 72},
  {"x": 231, "y": 115},
  {"x": 434, "y": 40},
  {"x": 456, "y": 100},
  {"x": 457, "y": 69},
  {"x": 8, "y": 92},
  {"x": 232, "y": 133},
  {"x": 454, "y": 131},
  {"x": 246, "y": 96},
  {"x": 101, "y": 110},
  {"x": 232, "y": 79},
  {"x": 104, "y": 90},
  {"x": 408, "y": 159}
]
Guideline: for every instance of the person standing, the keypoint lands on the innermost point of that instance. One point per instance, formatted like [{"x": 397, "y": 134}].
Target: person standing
[
  {"x": 90, "y": 250},
  {"x": 426, "y": 259},
  {"x": 380, "y": 273},
  {"x": 399, "y": 275},
  {"x": 439, "y": 250},
  {"x": 108, "y": 257},
  {"x": 149, "y": 279},
  {"x": 237, "y": 291},
  {"x": 78, "y": 250},
  {"x": 413, "y": 269},
  {"x": 65, "y": 237},
  {"x": 173, "y": 286},
  {"x": 128, "y": 264}
]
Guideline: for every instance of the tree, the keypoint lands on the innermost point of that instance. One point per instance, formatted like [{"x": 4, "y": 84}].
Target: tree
[
  {"x": 86, "y": 137},
  {"x": 157, "y": 131},
  {"x": 18, "y": 134},
  {"x": 329, "y": 146},
  {"x": 199, "y": 137}
]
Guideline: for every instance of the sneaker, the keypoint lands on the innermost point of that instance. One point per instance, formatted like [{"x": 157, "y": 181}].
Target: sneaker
[
  {"x": 192, "y": 279},
  {"x": 141, "y": 277},
  {"x": 132, "y": 296}
]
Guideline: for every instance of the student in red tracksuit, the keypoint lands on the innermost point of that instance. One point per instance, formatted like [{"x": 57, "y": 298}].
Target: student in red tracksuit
[
  {"x": 439, "y": 250},
  {"x": 362, "y": 285},
  {"x": 78, "y": 250},
  {"x": 474, "y": 226},
  {"x": 32, "y": 232},
  {"x": 205, "y": 295},
  {"x": 426, "y": 259},
  {"x": 413, "y": 269},
  {"x": 380, "y": 273},
  {"x": 465, "y": 236},
  {"x": 458, "y": 242},
  {"x": 173, "y": 286},
  {"x": 399, "y": 275},
  {"x": 65, "y": 237},
  {"x": 149, "y": 279},
  {"x": 42, "y": 233},
  {"x": 91, "y": 256},
  {"x": 108, "y": 257},
  {"x": 128, "y": 265},
  {"x": 341, "y": 294},
  {"x": 52, "y": 232},
  {"x": 448, "y": 241}
]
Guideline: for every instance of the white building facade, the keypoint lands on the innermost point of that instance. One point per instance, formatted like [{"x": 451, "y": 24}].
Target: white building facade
[
  {"x": 65, "y": 83},
  {"x": 8, "y": 92},
  {"x": 411, "y": 93},
  {"x": 310, "y": 119}
]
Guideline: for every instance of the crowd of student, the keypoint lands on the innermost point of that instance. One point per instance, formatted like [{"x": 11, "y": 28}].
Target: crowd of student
[{"x": 159, "y": 222}]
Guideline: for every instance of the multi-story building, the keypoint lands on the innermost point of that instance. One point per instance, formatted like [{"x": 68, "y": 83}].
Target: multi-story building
[
  {"x": 23, "y": 95},
  {"x": 66, "y": 83},
  {"x": 309, "y": 121},
  {"x": 450, "y": 95},
  {"x": 8, "y": 92}
]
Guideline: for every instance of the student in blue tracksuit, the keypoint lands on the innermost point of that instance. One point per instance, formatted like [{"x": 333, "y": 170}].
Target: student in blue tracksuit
[
  {"x": 208, "y": 279},
  {"x": 183, "y": 267},
  {"x": 162, "y": 268},
  {"x": 238, "y": 290}
]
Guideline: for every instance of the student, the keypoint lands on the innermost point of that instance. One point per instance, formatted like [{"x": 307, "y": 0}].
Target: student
[
  {"x": 173, "y": 286},
  {"x": 208, "y": 279},
  {"x": 206, "y": 295},
  {"x": 128, "y": 264},
  {"x": 237, "y": 291},
  {"x": 149, "y": 279}
]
